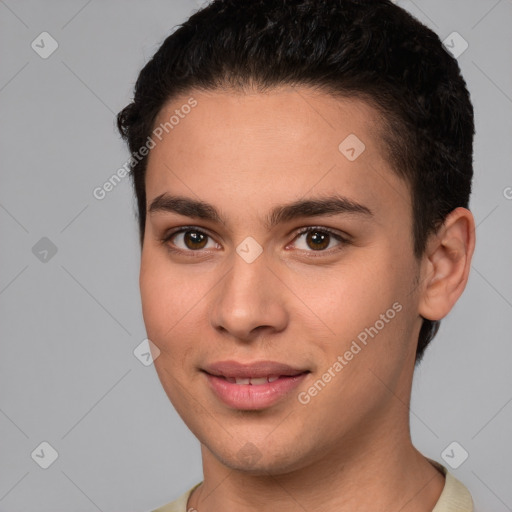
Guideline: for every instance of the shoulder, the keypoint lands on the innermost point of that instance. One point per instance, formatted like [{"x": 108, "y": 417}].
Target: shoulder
[
  {"x": 455, "y": 496},
  {"x": 178, "y": 505}
]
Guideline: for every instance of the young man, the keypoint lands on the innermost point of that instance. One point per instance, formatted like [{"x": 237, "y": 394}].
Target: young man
[{"x": 303, "y": 171}]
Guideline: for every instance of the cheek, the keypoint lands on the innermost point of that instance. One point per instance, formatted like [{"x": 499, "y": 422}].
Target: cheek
[
  {"x": 352, "y": 296},
  {"x": 167, "y": 308},
  {"x": 367, "y": 302},
  {"x": 163, "y": 298},
  {"x": 173, "y": 305}
]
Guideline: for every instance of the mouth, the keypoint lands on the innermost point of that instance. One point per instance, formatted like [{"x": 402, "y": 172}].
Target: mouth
[
  {"x": 253, "y": 371},
  {"x": 252, "y": 386}
]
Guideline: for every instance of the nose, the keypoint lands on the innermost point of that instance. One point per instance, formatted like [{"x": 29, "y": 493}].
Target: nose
[{"x": 250, "y": 302}]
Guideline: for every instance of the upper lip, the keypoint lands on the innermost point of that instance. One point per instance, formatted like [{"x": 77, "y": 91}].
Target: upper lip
[{"x": 256, "y": 369}]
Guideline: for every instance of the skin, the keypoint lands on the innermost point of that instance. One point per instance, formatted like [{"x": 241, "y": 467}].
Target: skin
[{"x": 245, "y": 153}]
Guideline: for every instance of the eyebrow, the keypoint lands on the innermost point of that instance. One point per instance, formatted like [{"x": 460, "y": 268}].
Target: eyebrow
[{"x": 312, "y": 207}]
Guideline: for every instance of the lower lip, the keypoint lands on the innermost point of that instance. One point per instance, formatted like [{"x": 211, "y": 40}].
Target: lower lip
[{"x": 253, "y": 397}]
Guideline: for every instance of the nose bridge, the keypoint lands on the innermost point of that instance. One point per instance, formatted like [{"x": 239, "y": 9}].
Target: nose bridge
[{"x": 249, "y": 298}]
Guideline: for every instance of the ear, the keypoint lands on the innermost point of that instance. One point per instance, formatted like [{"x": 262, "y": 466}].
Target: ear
[{"x": 446, "y": 263}]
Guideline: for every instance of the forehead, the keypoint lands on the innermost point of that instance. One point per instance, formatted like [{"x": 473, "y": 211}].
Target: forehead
[{"x": 281, "y": 144}]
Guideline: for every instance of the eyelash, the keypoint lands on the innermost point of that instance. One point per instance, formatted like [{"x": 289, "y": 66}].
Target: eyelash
[{"x": 343, "y": 240}]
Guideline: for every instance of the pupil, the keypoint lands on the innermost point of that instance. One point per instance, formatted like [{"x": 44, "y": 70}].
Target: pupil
[{"x": 320, "y": 240}]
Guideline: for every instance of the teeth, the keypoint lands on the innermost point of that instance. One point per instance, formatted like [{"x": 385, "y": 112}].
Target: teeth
[
  {"x": 253, "y": 381},
  {"x": 257, "y": 382}
]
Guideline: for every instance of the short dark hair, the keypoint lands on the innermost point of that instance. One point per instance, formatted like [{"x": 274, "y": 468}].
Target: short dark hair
[{"x": 367, "y": 49}]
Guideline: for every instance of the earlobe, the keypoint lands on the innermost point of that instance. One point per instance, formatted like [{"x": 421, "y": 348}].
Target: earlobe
[{"x": 446, "y": 264}]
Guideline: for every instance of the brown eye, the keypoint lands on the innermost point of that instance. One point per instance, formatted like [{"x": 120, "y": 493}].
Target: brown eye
[
  {"x": 189, "y": 239},
  {"x": 319, "y": 239},
  {"x": 195, "y": 239}
]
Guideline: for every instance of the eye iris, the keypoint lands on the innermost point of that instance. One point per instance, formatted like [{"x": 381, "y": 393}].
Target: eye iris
[
  {"x": 197, "y": 240},
  {"x": 319, "y": 239}
]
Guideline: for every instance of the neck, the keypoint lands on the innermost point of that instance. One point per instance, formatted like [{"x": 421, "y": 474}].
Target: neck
[{"x": 387, "y": 476}]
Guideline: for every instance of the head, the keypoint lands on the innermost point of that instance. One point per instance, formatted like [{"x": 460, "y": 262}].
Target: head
[{"x": 248, "y": 106}]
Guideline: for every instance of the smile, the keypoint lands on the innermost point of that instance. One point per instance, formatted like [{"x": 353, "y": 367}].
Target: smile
[{"x": 252, "y": 386}]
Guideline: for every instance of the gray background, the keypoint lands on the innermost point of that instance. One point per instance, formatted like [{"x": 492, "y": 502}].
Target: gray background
[{"x": 69, "y": 325}]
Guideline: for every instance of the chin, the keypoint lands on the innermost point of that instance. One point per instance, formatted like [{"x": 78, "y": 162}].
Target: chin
[
  {"x": 267, "y": 460},
  {"x": 264, "y": 467}
]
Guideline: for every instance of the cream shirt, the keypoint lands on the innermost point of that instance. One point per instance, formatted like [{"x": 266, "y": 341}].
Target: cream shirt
[{"x": 455, "y": 497}]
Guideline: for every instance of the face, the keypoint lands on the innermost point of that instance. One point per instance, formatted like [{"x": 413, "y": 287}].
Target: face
[{"x": 278, "y": 278}]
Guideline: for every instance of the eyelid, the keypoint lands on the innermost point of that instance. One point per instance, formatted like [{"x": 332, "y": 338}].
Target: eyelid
[
  {"x": 181, "y": 229},
  {"x": 334, "y": 232}
]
